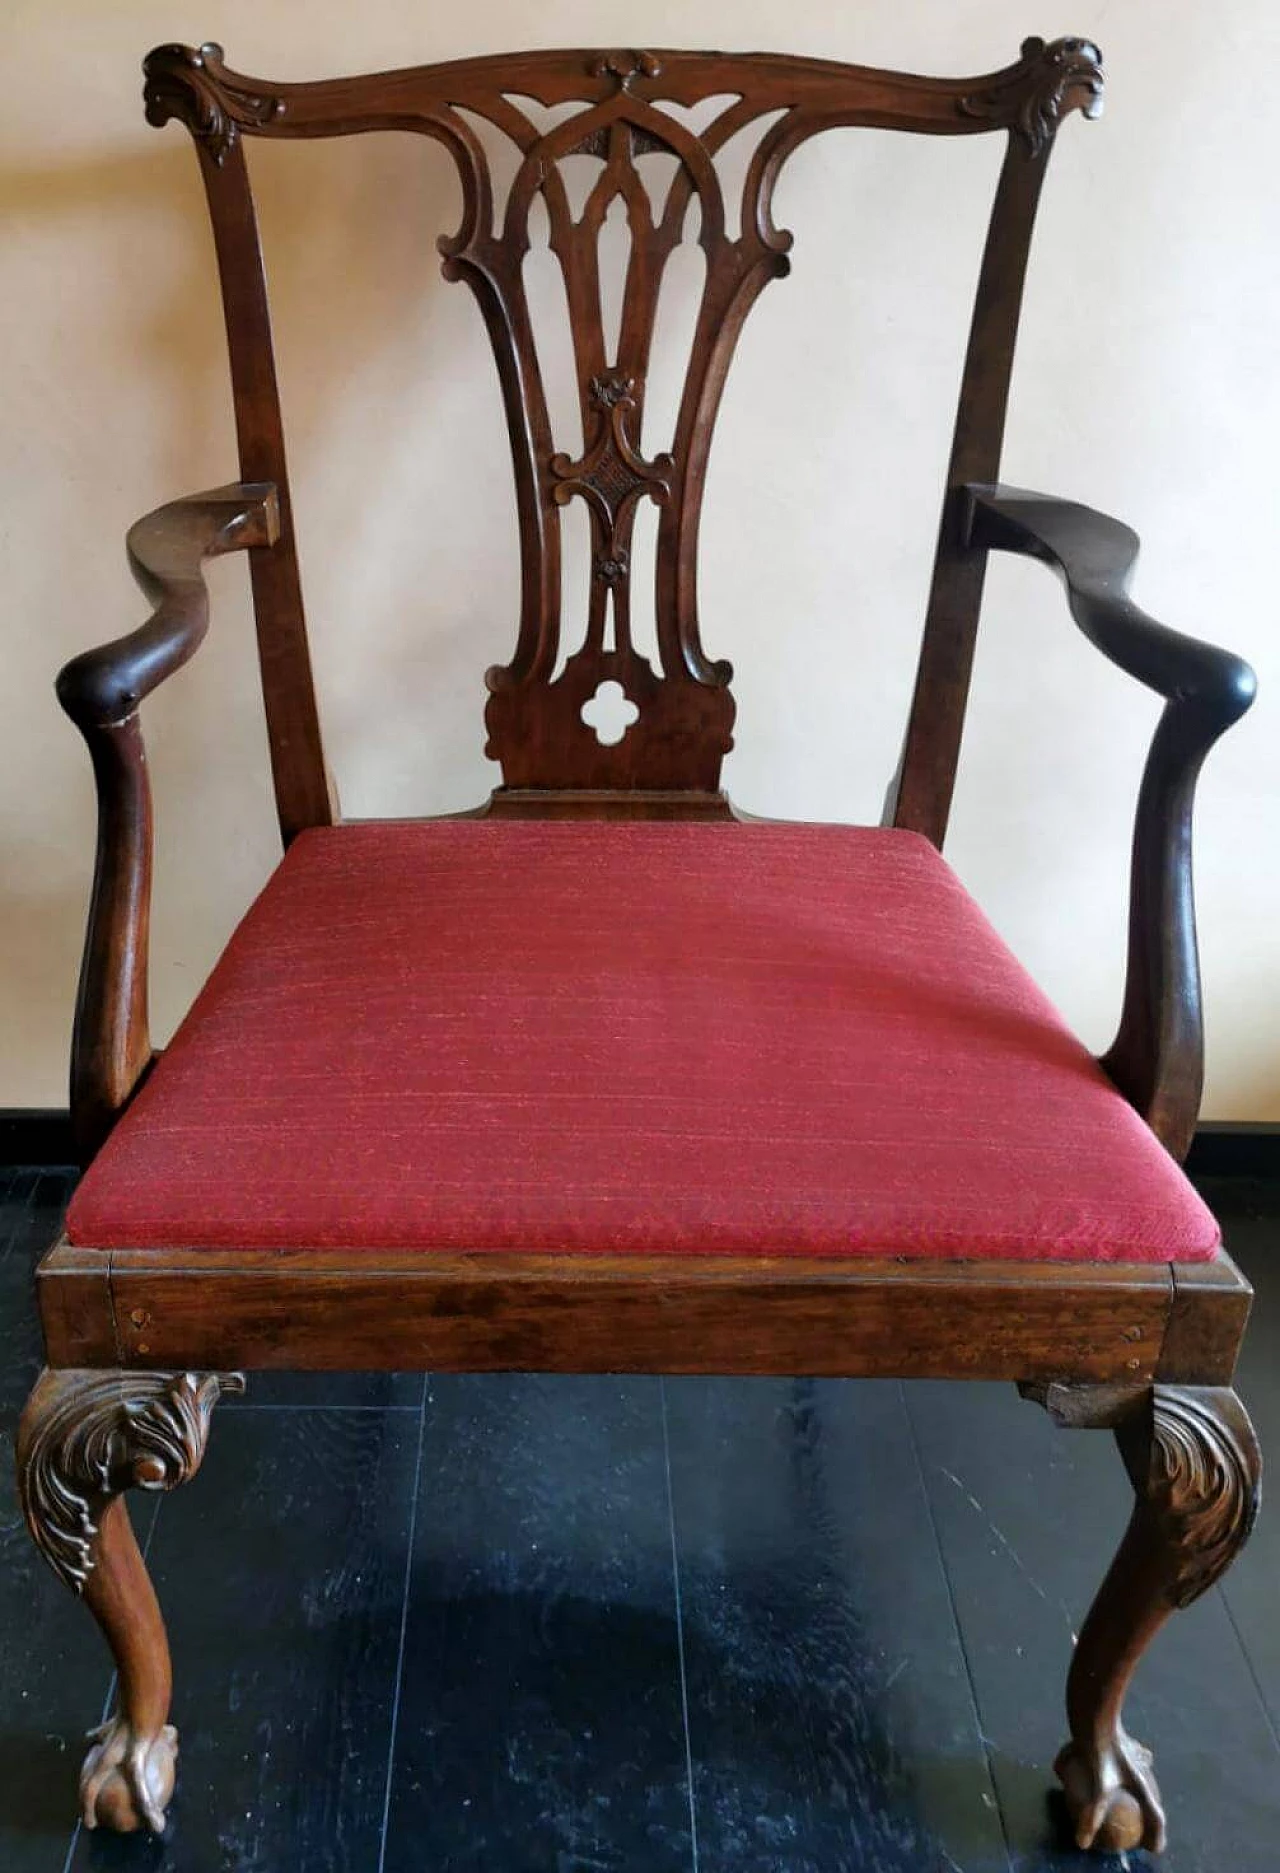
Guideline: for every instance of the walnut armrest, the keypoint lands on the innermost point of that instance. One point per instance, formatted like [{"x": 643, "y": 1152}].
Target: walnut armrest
[
  {"x": 1157, "y": 1057},
  {"x": 101, "y": 691}
]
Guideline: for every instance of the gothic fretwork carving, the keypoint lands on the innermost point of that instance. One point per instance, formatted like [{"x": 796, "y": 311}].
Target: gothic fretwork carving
[
  {"x": 1050, "y": 81},
  {"x": 611, "y": 477},
  {"x": 614, "y": 107},
  {"x": 685, "y": 709},
  {"x": 1202, "y": 1484},
  {"x": 196, "y": 87}
]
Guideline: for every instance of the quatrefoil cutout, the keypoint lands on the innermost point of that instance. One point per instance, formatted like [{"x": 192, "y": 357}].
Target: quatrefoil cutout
[{"x": 609, "y": 713}]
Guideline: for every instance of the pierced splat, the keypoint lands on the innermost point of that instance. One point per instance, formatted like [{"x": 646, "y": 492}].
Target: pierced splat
[
  {"x": 649, "y": 122},
  {"x": 536, "y": 722},
  {"x": 610, "y": 713},
  {"x": 611, "y": 478}
]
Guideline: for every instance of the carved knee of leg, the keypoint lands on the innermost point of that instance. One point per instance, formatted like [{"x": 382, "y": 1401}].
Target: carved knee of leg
[
  {"x": 85, "y": 1437},
  {"x": 1193, "y": 1458}
]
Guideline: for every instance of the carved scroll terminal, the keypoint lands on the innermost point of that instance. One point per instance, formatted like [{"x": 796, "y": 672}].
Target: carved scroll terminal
[
  {"x": 86, "y": 1436},
  {"x": 197, "y": 89},
  {"x": 1050, "y": 81}
]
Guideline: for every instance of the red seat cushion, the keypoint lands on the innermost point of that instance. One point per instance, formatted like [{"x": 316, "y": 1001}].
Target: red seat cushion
[{"x": 585, "y": 1036}]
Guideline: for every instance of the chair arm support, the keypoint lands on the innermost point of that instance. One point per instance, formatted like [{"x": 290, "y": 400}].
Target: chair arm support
[
  {"x": 101, "y": 691},
  {"x": 166, "y": 549},
  {"x": 1157, "y": 1057}
]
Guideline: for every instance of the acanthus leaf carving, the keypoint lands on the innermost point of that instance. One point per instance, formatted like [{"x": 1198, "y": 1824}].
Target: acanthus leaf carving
[
  {"x": 613, "y": 390},
  {"x": 1049, "y": 81},
  {"x": 625, "y": 67},
  {"x": 624, "y": 93},
  {"x": 195, "y": 87},
  {"x": 88, "y": 1435},
  {"x": 1193, "y": 1458},
  {"x": 1202, "y": 1487},
  {"x": 612, "y": 475},
  {"x": 613, "y": 569},
  {"x": 686, "y": 707}
]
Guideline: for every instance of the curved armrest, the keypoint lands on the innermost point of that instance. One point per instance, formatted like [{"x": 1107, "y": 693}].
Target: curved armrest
[
  {"x": 101, "y": 690},
  {"x": 166, "y": 549},
  {"x": 1157, "y": 1057}
]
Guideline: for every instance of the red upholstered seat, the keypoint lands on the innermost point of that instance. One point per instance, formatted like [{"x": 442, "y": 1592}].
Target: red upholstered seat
[{"x": 585, "y": 1036}]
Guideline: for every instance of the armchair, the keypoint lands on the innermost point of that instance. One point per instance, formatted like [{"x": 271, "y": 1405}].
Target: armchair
[{"x": 604, "y": 1077}]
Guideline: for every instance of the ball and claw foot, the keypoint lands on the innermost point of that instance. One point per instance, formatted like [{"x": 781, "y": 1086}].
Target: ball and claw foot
[
  {"x": 1193, "y": 1459},
  {"x": 1112, "y": 1796},
  {"x": 127, "y": 1780}
]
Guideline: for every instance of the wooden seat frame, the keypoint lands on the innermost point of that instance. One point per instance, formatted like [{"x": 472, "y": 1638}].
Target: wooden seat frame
[{"x": 141, "y": 1343}]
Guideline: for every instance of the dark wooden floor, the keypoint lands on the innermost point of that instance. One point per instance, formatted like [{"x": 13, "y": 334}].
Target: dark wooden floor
[{"x": 584, "y": 1625}]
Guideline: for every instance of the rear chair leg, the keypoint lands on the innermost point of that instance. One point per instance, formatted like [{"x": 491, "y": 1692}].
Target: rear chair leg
[
  {"x": 1194, "y": 1462},
  {"x": 85, "y": 1437}
]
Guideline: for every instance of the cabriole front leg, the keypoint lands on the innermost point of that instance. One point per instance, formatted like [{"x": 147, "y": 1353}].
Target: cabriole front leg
[
  {"x": 86, "y": 1437},
  {"x": 1194, "y": 1462}
]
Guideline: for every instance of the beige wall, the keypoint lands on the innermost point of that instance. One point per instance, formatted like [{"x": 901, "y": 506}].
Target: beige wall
[{"x": 1147, "y": 384}]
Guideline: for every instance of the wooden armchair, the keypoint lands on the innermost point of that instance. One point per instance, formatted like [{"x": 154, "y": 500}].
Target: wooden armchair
[{"x": 601, "y": 1077}]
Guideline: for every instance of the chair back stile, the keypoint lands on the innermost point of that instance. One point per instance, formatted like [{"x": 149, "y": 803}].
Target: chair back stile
[{"x": 534, "y": 717}]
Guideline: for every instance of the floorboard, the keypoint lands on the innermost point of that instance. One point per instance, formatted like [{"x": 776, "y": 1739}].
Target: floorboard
[
  {"x": 1252, "y": 1588},
  {"x": 303, "y": 1391},
  {"x": 282, "y": 1574},
  {"x": 829, "y": 1728},
  {"x": 53, "y": 1672},
  {"x": 540, "y": 1717},
  {"x": 31, "y": 1206}
]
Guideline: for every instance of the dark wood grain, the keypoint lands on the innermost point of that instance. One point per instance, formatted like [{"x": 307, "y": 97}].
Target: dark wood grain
[
  {"x": 1211, "y": 1307},
  {"x": 101, "y": 691},
  {"x": 920, "y": 796},
  {"x": 686, "y": 712},
  {"x": 605, "y": 803},
  {"x": 76, "y": 1308},
  {"x": 304, "y": 793},
  {"x": 584, "y": 1313},
  {"x": 1157, "y": 1057}
]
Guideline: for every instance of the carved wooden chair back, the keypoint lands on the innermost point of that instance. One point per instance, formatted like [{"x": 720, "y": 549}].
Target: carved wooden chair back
[{"x": 535, "y": 725}]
